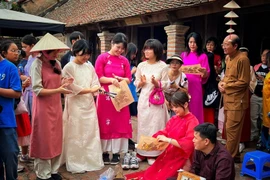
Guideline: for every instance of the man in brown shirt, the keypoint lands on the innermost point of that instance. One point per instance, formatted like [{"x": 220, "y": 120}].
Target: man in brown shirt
[{"x": 234, "y": 88}]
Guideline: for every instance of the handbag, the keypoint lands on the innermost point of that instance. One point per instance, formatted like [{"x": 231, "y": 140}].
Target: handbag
[
  {"x": 211, "y": 95},
  {"x": 21, "y": 107},
  {"x": 157, "y": 97}
]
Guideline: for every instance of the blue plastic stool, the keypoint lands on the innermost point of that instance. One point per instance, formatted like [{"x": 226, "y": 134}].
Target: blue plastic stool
[{"x": 257, "y": 170}]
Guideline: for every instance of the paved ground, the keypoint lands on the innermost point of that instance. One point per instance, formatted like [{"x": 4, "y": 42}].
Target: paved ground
[{"x": 28, "y": 173}]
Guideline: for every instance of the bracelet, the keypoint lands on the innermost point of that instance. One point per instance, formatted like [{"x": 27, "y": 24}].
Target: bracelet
[{"x": 170, "y": 141}]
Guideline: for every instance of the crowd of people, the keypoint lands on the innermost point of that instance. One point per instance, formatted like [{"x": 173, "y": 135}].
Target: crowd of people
[{"x": 90, "y": 132}]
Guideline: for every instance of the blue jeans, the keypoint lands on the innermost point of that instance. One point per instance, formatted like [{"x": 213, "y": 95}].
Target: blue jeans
[{"x": 9, "y": 151}]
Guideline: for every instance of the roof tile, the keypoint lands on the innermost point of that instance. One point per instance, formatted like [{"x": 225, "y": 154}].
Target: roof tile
[{"x": 79, "y": 12}]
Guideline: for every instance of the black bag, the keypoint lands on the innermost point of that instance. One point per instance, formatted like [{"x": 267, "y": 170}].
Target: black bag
[{"x": 211, "y": 96}]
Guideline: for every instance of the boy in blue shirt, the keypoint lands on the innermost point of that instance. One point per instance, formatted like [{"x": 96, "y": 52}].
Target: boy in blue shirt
[{"x": 10, "y": 88}]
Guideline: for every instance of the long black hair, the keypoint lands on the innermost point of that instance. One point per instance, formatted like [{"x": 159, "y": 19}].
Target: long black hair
[
  {"x": 131, "y": 50},
  {"x": 198, "y": 40}
]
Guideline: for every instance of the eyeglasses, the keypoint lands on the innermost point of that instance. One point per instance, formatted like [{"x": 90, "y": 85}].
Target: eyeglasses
[{"x": 16, "y": 51}]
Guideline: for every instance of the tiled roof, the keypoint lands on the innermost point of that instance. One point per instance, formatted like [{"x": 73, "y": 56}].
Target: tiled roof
[{"x": 79, "y": 12}]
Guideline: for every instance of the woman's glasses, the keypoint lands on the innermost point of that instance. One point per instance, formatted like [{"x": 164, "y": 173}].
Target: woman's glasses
[{"x": 16, "y": 51}]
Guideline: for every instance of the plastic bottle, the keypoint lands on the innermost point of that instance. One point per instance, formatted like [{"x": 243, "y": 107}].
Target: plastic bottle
[{"x": 103, "y": 178}]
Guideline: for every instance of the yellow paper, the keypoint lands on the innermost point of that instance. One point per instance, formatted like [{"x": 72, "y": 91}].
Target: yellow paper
[
  {"x": 148, "y": 143},
  {"x": 123, "y": 97}
]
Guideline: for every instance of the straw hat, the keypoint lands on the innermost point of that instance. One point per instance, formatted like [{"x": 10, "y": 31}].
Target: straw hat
[
  {"x": 49, "y": 42},
  {"x": 176, "y": 57}
]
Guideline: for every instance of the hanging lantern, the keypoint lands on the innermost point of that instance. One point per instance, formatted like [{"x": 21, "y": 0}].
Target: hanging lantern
[
  {"x": 232, "y": 5},
  {"x": 230, "y": 31},
  {"x": 231, "y": 14},
  {"x": 231, "y": 23}
]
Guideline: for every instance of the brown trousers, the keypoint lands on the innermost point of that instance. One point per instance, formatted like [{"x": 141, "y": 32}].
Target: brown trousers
[{"x": 234, "y": 121}]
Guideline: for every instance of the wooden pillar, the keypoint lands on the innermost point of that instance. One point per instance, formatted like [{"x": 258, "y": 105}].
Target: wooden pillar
[
  {"x": 176, "y": 39},
  {"x": 105, "y": 40}
]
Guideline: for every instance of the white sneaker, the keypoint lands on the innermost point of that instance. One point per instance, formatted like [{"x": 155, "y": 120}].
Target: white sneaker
[
  {"x": 134, "y": 163},
  {"x": 151, "y": 161},
  {"x": 20, "y": 168},
  {"x": 241, "y": 147},
  {"x": 126, "y": 162}
]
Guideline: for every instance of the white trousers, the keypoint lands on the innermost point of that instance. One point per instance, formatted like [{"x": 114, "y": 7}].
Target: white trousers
[{"x": 44, "y": 168}]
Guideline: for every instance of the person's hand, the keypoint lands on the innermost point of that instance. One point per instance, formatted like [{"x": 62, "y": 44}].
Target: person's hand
[
  {"x": 203, "y": 72},
  {"x": 62, "y": 89},
  {"x": 23, "y": 77},
  {"x": 143, "y": 81},
  {"x": 133, "y": 70},
  {"x": 163, "y": 138},
  {"x": 259, "y": 77},
  {"x": 115, "y": 82},
  {"x": 221, "y": 86},
  {"x": 154, "y": 81},
  {"x": 26, "y": 82},
  {"x": 67, "y": 80},
  {"x": 174, "y": 85},
  {"x": 117, "y": 77}
]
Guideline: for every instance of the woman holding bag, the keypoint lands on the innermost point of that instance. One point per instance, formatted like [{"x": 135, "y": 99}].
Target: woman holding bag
[
  {"x": 115, "y": 126},
  {"x": 150, "y": 74}
]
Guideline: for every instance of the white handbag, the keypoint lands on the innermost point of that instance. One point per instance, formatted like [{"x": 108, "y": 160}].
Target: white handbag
[{"x": 21, "y": 107}]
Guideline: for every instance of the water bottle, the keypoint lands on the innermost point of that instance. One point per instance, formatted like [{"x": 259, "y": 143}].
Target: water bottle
[{"x": 103, "y": 178}]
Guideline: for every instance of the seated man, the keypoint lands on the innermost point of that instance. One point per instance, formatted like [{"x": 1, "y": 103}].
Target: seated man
[{"x": 211, "y": 159}]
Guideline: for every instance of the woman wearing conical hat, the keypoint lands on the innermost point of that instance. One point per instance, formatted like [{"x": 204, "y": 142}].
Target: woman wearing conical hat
[{"x": 47, "y": 83}]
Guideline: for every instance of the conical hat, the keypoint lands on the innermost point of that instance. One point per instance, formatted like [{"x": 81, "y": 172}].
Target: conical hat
[
  {"x": 231, "y": 14},
  {"x": 49, "y": 42},
  {"x": 232, "y": 5}
]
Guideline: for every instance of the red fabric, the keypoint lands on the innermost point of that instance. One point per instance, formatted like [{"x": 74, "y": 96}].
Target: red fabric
[
  {"x": 209, "y": 115},
  {"x": 217, "y": 60},
  {"x": 174, "y": 158},
  {"x": 23, "y": 125},
  {"x": 134, "y": 176}
]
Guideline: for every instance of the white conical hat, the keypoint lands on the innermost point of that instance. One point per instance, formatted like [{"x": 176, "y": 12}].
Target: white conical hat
[
  {"x": 230, "y": 30},
  {"x": 231, "y": 23},
  {"x": 232, "y": 5},
  {"x": 49, "y": 42},
  {"x": 231, "y": 14}
]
